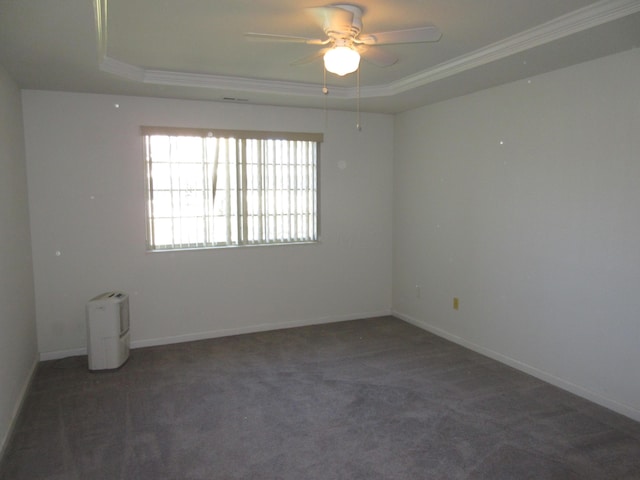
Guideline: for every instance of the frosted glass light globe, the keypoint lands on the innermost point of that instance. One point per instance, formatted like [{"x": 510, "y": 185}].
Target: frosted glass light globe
[{"x": 341, "y": 60}]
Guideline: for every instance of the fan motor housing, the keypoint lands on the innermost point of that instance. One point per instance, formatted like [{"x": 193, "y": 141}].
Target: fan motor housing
[{"x": 356, "y": 23}]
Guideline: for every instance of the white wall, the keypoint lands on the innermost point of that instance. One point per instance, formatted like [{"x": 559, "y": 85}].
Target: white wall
[
  {"x": 86, "y": 193},
  {"x": 524, "y": 202},
  {"x": 18, "y": 352}
]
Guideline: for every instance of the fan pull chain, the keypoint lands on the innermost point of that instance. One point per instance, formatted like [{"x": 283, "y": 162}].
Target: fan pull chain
[
  {"x": 358, "y": 125},
  {"x": 325, "y": 92}
]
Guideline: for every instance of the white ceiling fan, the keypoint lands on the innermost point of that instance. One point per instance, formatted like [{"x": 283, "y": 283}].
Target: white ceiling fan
[{"x": 345, "y": 44}]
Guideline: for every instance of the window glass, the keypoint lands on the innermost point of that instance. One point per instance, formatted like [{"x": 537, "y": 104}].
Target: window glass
[{"x": 208, "y": 189}]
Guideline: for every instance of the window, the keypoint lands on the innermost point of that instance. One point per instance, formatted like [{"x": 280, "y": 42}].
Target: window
[{"x": 212, "y": 188}]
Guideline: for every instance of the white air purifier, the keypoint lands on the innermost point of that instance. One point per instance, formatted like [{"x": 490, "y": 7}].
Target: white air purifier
[{"x": 108, "y": 331}]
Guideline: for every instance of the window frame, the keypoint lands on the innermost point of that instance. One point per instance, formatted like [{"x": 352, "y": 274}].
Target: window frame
[{"x": 235, "y": 136}]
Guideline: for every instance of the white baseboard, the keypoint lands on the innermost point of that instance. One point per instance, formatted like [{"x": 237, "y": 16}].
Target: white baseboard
[
  {"x": 606, "y": 402},
  {"x": 73, "y": 352},
  {"x": 18, "y": 406},
  {"x": 223, "y": 332},
  {"x": 227, "y": 332}
]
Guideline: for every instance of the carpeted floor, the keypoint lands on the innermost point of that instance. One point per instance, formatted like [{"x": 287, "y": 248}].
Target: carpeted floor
[{"x": 368, "y": 399}]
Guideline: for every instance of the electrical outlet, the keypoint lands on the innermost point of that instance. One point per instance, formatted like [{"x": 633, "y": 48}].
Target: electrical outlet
[
  {"x": 418, "y": 291},
  {"x": 456, "y": 303}
]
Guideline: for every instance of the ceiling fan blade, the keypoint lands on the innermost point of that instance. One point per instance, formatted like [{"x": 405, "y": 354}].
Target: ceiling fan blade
[
  {"x": 413, "y": 35},
  {"x": 268, "y": 37},
  {"x": 377, "y": 56},
  {"x": 332, "y": 18},
  {"x": 310, "y": 58}
]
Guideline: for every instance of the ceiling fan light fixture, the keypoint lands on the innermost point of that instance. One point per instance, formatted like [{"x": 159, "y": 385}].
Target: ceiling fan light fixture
[{"x": 341, "y": 60}]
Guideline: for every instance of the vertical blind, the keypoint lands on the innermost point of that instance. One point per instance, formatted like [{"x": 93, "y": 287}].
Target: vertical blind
[{"x": 210, "y": 188}]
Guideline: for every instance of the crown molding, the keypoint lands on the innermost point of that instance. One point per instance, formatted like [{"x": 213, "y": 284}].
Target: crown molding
[
  {"x": 220, "y": 82},
  {"x": 100, "y": 19},
  {"x": 582, "y": 19},
  {"x": 182, "y": 79},
  {"x": 122, "y": 69}
]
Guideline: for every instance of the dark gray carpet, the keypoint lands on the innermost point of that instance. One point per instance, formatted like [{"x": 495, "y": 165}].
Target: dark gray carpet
[{"x": 368, "y": 399}]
